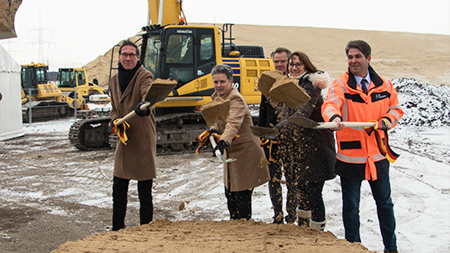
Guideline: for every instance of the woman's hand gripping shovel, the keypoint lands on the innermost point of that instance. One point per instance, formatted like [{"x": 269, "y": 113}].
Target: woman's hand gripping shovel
[
  {"x": 220, "y": 157},
  {"x": 212, "y": 111}
]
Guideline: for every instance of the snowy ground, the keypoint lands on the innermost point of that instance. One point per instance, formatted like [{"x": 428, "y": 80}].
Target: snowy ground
[{"x": 420, "y": 181}]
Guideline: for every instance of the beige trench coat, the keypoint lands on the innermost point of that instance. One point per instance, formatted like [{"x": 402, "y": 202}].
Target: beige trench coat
[
  {"x": 137, "y": 159},
  {"x": 248, "y": 171}
]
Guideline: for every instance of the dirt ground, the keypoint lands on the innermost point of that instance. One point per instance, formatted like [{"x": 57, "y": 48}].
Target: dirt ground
[{"x": 52, "y": 195}]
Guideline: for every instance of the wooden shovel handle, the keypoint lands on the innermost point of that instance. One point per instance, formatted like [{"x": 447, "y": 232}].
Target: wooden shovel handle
[
  {"x": 132, "y": 114},
  {"x": 214, "y": 144},
  {"x": 327, "y": 125}
]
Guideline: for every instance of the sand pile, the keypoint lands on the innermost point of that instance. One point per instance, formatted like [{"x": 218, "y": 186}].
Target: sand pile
[{"x": 213, "y": 236}]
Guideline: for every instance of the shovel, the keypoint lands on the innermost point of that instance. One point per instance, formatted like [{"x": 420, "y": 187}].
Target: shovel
[
  {"x": 212, "y": 111},
  {"x": 157, "y": 92},
  {"x": 308, "y": 123},
  {"x": 264, "y": 132},
  {"x": 217, "y": 152}
]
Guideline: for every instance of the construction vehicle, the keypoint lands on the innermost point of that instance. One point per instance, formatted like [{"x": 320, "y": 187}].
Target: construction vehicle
[
  {"x": 85, "y": 92},
  {"x": 170, "y": 48},
  {"x": 41, "y": 99}
]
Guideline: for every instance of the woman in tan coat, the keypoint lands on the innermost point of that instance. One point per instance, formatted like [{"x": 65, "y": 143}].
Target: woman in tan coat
[
  {"x": 137, "y": 159},
  {"x": 250, "y": 169}
]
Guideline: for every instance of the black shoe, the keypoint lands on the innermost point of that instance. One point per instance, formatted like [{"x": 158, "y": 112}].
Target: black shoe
[{"x": 390, "y": 251}]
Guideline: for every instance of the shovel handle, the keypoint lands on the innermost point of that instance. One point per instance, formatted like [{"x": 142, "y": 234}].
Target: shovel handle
[
  {"x": 132, "y": 114},
  {"x": 327, "y": 125},
  {"x": 214, "y": 144}
]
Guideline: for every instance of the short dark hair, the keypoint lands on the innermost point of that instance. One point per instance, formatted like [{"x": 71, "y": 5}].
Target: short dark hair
[
  {"x": 279, "y": 50},
  {"x": 128, "y": 42},
  {"x": 363, "y": 46},
  {"x": 223, "y": 69}
]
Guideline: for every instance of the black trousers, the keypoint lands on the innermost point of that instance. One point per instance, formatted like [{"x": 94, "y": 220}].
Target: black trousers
[
  {"x": 120, "y": 199},
  {"x": 275, "y": 190},
  {"x": 239, "y": 204},
  {"x": 310, "y": 195}
]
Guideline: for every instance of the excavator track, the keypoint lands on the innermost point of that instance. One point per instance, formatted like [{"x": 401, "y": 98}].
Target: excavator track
[
  {"x": 176, "y": 133},
  {"x": 45, "y": 111},
  {"x": 90, "y": 134}
]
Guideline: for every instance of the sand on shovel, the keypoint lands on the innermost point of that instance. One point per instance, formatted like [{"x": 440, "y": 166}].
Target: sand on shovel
[
  {"x": 286, "y": 90},
  {"x": 159, "y": 90},
  {"x": 267, "y": 79},
  {"x": 214, "y": 110}
]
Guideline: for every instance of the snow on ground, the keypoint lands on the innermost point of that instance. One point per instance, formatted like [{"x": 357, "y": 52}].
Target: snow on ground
[{"x": 420, "y": 181}]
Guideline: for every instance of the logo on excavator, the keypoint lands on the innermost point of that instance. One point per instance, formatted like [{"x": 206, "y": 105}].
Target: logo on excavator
[{"x": 184, "y": 31}]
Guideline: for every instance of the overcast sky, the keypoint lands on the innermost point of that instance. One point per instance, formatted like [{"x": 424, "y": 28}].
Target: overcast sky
[{"x": 71, "y": 33}]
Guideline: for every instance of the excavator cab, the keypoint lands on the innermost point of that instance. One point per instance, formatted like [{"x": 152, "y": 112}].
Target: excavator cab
[
  {"x": 71, "y": 78},
  {"x": 188, "y": 53},
  {"x": 180, "y": 53},
  {"x": 31, "y": 76},
  {"x": 34, "y": 80}
]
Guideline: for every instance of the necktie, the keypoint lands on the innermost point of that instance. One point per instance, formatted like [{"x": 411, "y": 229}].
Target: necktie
[{"x": 365, "y": 85}]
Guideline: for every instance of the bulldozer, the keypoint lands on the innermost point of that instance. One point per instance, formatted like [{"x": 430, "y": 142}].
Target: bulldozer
[
  {"x": 172, "y": 49},
  {"x": 41, "y": 99},
  {"x": 77, "y": 91}
]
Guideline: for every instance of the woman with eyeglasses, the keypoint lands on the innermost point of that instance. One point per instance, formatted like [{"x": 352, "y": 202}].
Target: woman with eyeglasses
[{"x": 309, "y": 152}]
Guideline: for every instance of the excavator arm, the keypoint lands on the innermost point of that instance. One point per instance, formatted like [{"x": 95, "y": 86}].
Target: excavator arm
[{"x": 165, "y": 12}]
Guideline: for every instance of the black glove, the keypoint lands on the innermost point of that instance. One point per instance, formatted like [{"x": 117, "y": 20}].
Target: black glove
[
  {"x": 140, "y": 112},
  {"x": 221, "y": 146},
  {"x": 213, "y": 131},
  {"x": 111, "y": 123}
]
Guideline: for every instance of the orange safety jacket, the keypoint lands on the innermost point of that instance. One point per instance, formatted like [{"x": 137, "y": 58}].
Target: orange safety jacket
[{"x": 345, "y": 99}]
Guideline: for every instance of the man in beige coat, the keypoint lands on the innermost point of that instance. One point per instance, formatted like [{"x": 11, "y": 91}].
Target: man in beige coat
[
  {"x": 137, "y": 159},
  {"x": 250, "y": 169}
]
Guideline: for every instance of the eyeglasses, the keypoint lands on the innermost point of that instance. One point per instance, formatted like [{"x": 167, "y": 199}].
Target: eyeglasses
[
  {"x": 125, "y": 55},
  {"x": 298, "y": 65}
]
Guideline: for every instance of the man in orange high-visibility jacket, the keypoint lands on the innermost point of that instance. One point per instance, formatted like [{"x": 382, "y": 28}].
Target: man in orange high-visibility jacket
[{"x": 361, "y": 95}]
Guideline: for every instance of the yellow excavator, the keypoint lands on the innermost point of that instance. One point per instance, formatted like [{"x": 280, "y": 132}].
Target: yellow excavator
[
  {"x": 170, "y": 48},
  {"x": 41, "y": 99}
]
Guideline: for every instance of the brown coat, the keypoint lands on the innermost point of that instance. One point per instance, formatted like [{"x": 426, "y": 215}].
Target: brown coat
[
  {"x": 137, "y": 159},
  {"x": 248, "y": 171}
]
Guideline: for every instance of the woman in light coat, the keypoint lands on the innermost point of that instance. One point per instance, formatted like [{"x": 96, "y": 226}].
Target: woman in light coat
[{"x": 250, "y": 168}]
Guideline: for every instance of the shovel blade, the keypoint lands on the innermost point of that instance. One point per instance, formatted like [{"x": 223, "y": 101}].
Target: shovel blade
[
  {"x": 263, "y": 132},
  {"x": 159, "y": 90},
  {"x": 214, "y": 110}
]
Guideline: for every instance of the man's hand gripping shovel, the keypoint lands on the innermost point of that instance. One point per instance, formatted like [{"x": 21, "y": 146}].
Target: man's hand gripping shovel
[{"x": 158, "y": 91}]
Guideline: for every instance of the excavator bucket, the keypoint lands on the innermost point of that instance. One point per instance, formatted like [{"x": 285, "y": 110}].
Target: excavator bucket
[{"x": 8, "y": 9}]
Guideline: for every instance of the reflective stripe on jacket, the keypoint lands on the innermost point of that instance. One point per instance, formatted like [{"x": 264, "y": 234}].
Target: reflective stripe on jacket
[{"x": 347, "y": 100}]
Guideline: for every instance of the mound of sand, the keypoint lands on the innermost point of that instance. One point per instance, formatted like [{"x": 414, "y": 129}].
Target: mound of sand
[
  {"x": 213, "y": 236},
  {"x": 424, "y": 57}
]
